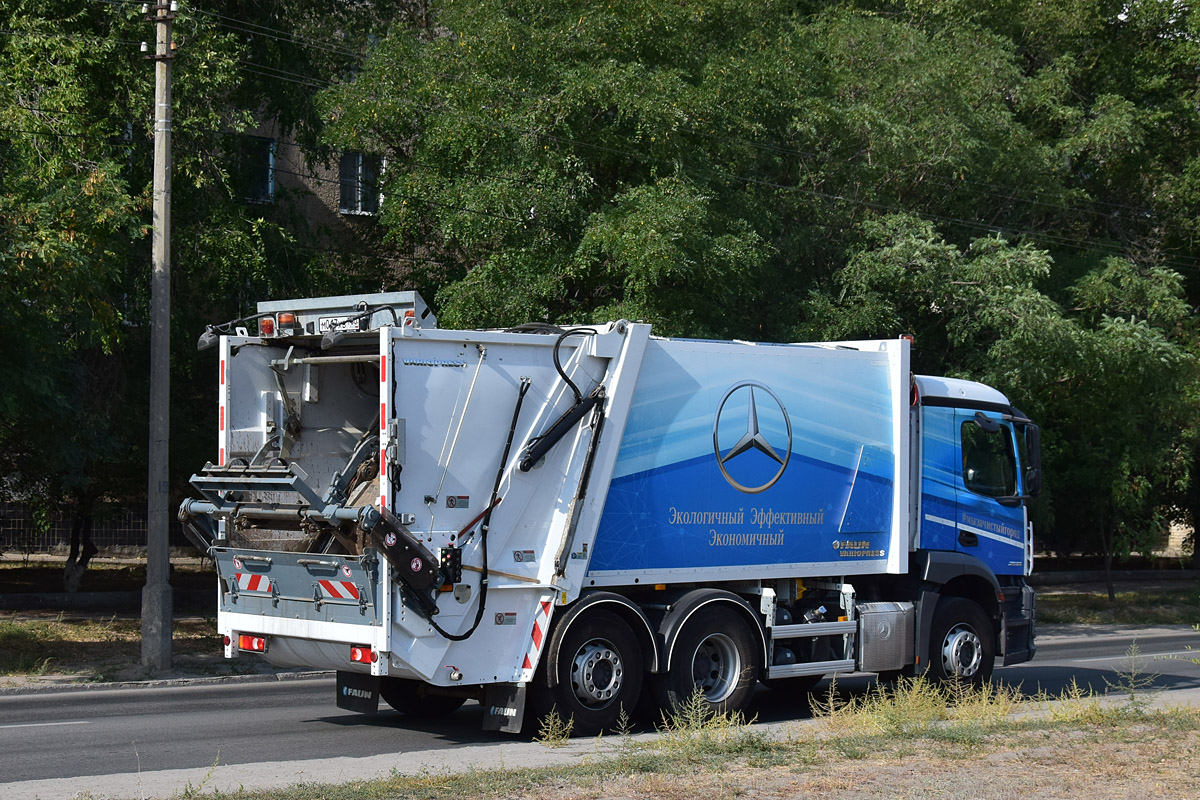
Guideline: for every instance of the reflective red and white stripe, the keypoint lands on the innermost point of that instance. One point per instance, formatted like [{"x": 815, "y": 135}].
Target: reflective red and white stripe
[
  {"x": 338, "y": 590},
  {"x": 247, "y": 582},
  {"x": 221, "y": 406},
  {"x": 383, "y": 431},
  {"x": 537, "y": 637}
]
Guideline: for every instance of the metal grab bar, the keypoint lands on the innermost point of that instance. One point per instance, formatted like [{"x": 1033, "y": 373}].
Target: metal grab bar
[{"x": 263, "y": 559}]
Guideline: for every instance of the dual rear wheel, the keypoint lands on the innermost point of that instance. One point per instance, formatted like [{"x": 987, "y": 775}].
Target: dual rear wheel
[
  {"x": 597, "y": 671},
  {"x": 716, "y": 658},
  {"x": 599, "y": 668}
]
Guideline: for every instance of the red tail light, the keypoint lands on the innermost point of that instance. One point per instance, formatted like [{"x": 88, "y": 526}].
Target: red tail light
[
  {"x": 361, "y": 654},
  {"x": 266, "y": 326},
  {"x": 256, "y": 644}
]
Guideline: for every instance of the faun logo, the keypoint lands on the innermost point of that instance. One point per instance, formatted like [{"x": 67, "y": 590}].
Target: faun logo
[{"x": 750, "y": 436}]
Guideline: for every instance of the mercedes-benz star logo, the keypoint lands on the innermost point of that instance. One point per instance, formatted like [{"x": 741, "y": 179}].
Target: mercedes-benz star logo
[{"x": 752, "y": 439}]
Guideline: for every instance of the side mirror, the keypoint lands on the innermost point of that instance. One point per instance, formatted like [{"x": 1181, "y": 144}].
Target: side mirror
[{"x": 1033, "y": 460}]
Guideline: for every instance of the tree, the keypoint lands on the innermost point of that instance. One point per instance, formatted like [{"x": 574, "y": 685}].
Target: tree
[
  {"x": 75, "y": 108},
  {"x": 1107, "y": 375},
  {"x": 766, "y": 170},
  {"x": 694, "y": 165},
  {"x": 774, "y": 171}
]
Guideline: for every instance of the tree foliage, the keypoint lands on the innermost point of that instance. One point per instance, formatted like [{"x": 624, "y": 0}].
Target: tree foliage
[
  {"x": 1011, "y": 182},
  {"x": 1107, "y": 374},
  {"x": 1018, "y": 183}
]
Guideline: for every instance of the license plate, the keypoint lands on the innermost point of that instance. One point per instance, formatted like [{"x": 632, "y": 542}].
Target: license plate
[{"x": 343, "y": 323}]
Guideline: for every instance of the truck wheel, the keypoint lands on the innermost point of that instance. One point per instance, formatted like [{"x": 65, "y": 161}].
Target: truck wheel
[
  {"x": 599, "y": 672},
  {"x": 414, "y": 698},
  {"x": 962, "y": 644},
  {"x": 716, "y": 655}
]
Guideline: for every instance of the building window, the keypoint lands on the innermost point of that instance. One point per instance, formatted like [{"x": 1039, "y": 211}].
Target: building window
[
  {"x": 256, "y": 169},
  {"x": 358, "y": 176}
]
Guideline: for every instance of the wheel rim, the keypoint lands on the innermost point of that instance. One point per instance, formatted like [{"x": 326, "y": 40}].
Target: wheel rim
[
  {"x": 596, "y": 673},
  {"x": 716, "y": 667},
  {"x": 962, "y": 652}
]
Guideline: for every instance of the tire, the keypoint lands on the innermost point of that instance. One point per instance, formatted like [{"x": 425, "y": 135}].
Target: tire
[
  {"x": 415, "y": 699},
  {"x": 598, "y": 667},
  {"x": 962, "y": 643},
  {"x": 716, "y": 654}
]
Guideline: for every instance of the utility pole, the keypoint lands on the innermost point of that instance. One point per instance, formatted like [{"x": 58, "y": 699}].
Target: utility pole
[{"x": 157, "y": 603}]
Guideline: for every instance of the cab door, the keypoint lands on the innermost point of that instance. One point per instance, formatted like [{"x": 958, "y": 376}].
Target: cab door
[{"x": 991, "y": 522}]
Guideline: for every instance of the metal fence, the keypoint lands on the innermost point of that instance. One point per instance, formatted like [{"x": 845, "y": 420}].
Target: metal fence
[{"x": 20, "y": 531}]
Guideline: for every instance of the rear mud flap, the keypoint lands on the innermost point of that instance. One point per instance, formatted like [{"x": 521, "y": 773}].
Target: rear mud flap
[
  {"x": 358, "y": 692},
  {"x": 504, "y": 707}
]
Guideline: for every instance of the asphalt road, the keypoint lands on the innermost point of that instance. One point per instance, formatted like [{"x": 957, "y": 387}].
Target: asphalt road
[{"x": 53, "y": 744}]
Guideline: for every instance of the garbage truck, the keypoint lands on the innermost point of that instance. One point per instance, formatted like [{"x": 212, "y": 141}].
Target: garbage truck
[{"x": 588, "y": 519}]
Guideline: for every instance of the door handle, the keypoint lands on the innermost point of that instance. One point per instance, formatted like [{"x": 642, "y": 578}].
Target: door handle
[{"x": 968, "y": 539}]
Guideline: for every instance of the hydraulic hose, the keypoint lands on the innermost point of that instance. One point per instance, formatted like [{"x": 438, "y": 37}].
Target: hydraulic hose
[{"x": 485, "y": 525}]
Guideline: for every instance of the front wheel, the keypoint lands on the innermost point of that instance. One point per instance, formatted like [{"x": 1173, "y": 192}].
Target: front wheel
[
  {"x": 716, "y": 656},
  {"x": 962, "y": 644},
  {"x": 598, "y": 670}
]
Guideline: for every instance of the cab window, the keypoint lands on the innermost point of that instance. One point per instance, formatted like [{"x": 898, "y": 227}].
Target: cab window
[{"x": 989, "y": 465}]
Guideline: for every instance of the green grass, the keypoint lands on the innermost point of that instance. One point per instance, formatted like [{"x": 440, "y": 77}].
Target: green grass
[{"x": 1177, "y": 603}]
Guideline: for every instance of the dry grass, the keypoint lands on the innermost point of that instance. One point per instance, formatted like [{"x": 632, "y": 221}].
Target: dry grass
[
  {"x": 45, "y": 574},
  {"x": 100, "y": 649},
  {"x": 1174, "y": 603},
  {"x": 909, "y": 745}
]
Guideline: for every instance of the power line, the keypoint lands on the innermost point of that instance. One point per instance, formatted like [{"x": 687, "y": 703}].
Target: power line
[
  {"x": 83, "y": 37},
  {"x": 278, "y": 34},
  {"x": 54, "y": 134},
  {"x": 285, "y": 75}
]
